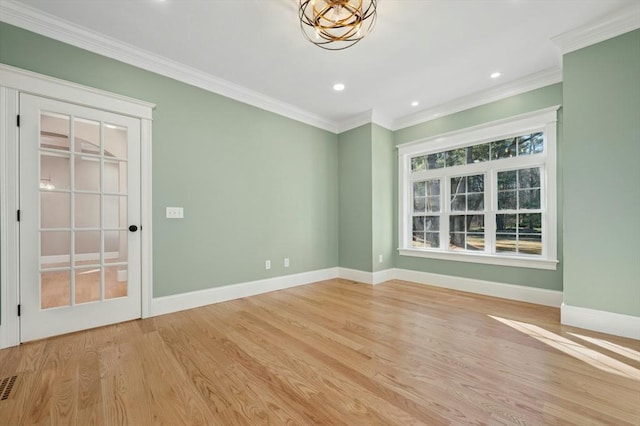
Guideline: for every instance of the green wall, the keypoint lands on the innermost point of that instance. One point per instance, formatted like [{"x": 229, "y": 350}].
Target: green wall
[
  {"x": 258, "y": 186},
  {"x": 383, "y": 159},
  {"x": 602, "y": 176},
  {"x": 355, "y": 230},
  {"x": 366, "y": 190},
  {"x": 254, "y": 185},
  {"x": 519, "y": 104}
]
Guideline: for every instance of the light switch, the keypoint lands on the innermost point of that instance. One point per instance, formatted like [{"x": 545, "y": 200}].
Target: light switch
[{"x": 175, "y": 213}]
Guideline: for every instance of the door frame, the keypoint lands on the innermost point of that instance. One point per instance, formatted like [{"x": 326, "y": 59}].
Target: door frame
[{"x": 14, "y": 81}]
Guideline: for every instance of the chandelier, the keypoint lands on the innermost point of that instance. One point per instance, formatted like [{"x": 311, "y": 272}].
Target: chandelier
[{"x": 336, "y": 24}]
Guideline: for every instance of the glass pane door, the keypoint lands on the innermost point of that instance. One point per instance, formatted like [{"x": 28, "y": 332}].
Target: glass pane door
[{"x": 79, "y": 169}]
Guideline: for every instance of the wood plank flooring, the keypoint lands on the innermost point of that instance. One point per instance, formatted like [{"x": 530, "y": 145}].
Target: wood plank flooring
[{"x": 331, "y": 353}]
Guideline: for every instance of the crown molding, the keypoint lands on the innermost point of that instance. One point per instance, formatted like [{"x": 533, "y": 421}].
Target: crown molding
[
  {"x": 620, "y": 22},
  {"x": 355, "y": 121},
  {"x": 31, "y": 19},
  {"x": 525, "y": 84}
]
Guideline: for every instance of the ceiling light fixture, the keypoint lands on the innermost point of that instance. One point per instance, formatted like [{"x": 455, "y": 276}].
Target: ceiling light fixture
[
  {"x": 495, "y": 75},
  {"x": 415, "y": 103},
  {"x": 338, "y": 87},
  {"x": 336, "y": 24}
]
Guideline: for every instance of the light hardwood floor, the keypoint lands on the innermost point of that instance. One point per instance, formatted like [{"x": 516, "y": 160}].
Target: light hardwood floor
[{"x": 330, "y": 353}]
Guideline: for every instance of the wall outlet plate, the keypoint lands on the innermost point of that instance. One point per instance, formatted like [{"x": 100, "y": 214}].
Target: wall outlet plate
[{"x": 175, "y": 213}]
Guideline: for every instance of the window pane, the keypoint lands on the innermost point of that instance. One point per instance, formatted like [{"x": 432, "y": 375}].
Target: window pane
[
  {"x": 435, "y": 161},
  {"x": 529, "y": 199},
  {"x": 419, "y": 204},
  {"x": 432, "y": 223},
  {"x": 55, "y": 170},
  {"x": 419, "y": 189},
  {"x": 418, "y": 164},
  {"x": 505, "y": 148},
  {"x": 456, "y": 223},
  {"x": 433, "y": 204},
  {"x": 55, "y": 289},
  {"x": 506, "y": 222},
  {"x": 507, "y": 200},
  {"x": 456, "y": 157},
  {"x": 507, "y": 180},
  {"x": 480, "y": 153},
  {"x": 475, "y": 242},
  {"x": 531, "y": 144},
  {"x": 87, "y": 211},
  {"x": 115, "y": 177},
  {"x": 432, "y": 240},
  {"x": 87, "y": 136},
  {"x": 506, "y": 243},
  {"x": 457, "y": 241},
  {"x": 418, "y": 240},
  {"x": 115, "y": 141},
  {"x": 418, "y": 223},
  {"x": 458, "y": 203},
  {"x": 87, "y": 173},
  {"x": 54, "y": 131},
  {"x": 529, "y": 178},
  {"x": 530, "y": 223},
  {"x": 87, "y": 285},
  {"x": 433, "y": 187},
  {"x": 55, "y": 249},
  {"x": 475, "y": 183},
  {"x": 475, "y": 202},
  {"x": 458, "y": 185},
  {"x": 55, "y": 210},
  {"x": 475, "y": 223},
  {"x": 530, "y": 244},
  {"x": 115, "y": 281}
]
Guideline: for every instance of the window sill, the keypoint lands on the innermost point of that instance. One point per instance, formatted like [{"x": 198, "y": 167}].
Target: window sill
[{"x": 520, "y": 261}]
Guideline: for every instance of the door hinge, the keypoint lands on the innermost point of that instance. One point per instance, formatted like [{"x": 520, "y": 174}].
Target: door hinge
[
  {"x": 18, "y": 120},
  {"x": 18, "y": 215},
  {"x": 18, "y": 310}
]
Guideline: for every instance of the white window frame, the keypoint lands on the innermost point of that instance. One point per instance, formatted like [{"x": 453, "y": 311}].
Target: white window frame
[{"x": 544, "y": 120}]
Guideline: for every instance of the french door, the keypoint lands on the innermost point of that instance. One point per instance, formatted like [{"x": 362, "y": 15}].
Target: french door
[{"x": 79, "y": 218}]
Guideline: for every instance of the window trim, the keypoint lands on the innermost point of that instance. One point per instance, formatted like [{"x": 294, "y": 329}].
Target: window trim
[{"x": 541, "y": 120}]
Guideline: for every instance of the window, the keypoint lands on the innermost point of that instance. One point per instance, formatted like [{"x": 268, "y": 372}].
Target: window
[{"x": 485, "y": 194}]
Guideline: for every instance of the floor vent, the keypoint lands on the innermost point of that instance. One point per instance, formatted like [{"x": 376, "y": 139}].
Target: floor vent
[{"x": 6, "y": 385}]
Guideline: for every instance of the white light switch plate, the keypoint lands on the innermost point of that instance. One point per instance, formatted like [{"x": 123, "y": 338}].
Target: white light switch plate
[{"x": 175, "y": 213}]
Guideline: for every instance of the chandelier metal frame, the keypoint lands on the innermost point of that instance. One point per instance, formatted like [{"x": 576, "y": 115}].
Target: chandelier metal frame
[{"x": 336, "y": 24}]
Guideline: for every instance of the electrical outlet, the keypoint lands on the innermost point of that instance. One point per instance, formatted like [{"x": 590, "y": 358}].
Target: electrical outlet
[
  {"x": 286, "y": 262},
  {"x": 267, "y": 264},
  {"x": 380, "y": 258},
  {"x": 175, "y": 213}
]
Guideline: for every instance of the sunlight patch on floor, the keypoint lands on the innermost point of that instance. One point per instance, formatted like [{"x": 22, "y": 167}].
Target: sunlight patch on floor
[
  {"x": 574, "y": 349},
  {"x": 613, "y": 347}
]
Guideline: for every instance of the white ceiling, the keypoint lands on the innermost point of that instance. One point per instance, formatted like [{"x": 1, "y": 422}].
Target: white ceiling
[{"x": 431, "y": 51}]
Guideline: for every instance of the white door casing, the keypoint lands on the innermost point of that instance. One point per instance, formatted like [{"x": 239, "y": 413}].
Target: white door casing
[{"x": 13, "y": 83}]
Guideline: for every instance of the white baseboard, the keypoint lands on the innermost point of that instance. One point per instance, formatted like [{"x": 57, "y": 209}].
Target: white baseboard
[
  {"x": 366, "y": 277},
  {"x": 195, "y": 299},
  {"x": 539, "y": 296},
  {"x": 602, "y": 321},
  {"x": 385, "y": 275},
  {"x": 356, "y": 275}
]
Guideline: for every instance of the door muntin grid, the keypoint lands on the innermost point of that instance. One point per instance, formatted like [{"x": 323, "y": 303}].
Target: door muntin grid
[{"x": 83, "y": 210}]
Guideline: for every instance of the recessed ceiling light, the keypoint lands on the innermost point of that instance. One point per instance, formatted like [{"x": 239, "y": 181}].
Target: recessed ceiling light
[
  {"x": 338, "y": 87},
  {"x": 415, "y": 103},
  {"x": 495, "y": 75}
]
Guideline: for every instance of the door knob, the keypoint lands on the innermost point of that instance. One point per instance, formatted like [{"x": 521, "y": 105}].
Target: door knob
[{"x": 133, "y": 228}]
